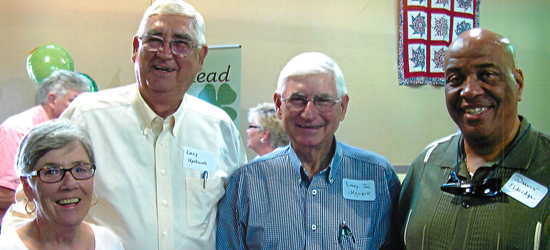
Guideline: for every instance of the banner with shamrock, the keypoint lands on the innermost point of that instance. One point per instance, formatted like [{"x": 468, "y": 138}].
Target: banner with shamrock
[
  {"x": 219, "y": 82},
  {"x": 426, "y": 31}
]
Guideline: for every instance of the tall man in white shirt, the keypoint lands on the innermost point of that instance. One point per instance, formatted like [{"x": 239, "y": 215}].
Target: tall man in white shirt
[{"x": 163, "y": 157}]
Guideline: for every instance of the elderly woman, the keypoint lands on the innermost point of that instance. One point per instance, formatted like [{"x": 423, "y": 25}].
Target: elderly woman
[
  {"x": 266, "y": 132},
  {"x": 55, "y": 164}
]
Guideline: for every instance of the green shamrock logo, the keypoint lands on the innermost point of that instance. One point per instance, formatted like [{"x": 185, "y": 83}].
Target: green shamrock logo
[{"x": 226, "y": 96}]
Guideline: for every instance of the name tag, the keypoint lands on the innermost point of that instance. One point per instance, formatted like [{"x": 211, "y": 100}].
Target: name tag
[
  {"x": 198, "y": 159},
  {"x": 525, "y": 190},
  {"x": 358, "y": 190}
]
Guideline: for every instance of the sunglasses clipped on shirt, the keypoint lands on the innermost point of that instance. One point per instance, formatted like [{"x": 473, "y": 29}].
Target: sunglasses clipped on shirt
[{"x": 459, "y": 185}]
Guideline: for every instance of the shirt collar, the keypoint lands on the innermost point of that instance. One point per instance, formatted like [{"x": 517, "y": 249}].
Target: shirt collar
[
  {"x": 146, "y": 115},
  {"x": 522, "y": 154},
  {"x": 333, "y": 169},
  {"x": 518, "y": 159}
]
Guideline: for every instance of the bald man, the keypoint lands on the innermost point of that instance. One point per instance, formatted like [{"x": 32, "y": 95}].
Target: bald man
[{"x": 484, "y": 187}]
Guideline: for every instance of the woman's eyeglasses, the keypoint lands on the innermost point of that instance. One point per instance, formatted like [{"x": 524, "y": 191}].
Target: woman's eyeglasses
[{"x": 53, "y": 174}]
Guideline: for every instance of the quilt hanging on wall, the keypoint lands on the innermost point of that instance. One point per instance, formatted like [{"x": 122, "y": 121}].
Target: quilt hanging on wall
[{"x": 426, "y": 31}]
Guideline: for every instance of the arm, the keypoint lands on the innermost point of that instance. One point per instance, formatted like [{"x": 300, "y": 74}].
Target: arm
[
  {"x": 10, "y": 139},
  {"x": 394, "y": 186},
  {"x": 7, "y": 197},
  {"x": 231, "y": 229}
]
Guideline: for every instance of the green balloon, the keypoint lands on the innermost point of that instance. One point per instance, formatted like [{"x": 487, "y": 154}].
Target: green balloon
[
  {"x": 46, "y": 59},
  {"x": 91, "y": 84}
]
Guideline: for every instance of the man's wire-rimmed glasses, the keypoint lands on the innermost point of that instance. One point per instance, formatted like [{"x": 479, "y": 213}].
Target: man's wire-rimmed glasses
[
  {"x": 180, "y": 47},
  {"x": 296, "y": 103},
  {"x": 53, "y": 174}
]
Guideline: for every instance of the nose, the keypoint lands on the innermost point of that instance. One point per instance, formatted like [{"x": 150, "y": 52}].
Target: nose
[
  {"x": 165, "y": 51},
  {"x": 472, "y": 88},
  {"x": 68, "y": 181},
  {"x": 310, "y": 112}
]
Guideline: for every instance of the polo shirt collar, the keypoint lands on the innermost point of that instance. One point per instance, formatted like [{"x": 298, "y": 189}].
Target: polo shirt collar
[{"x": 520, "y": 158}]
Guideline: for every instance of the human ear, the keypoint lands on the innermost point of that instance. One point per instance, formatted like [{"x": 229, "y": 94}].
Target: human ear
[{"x": 518, "y": 76}]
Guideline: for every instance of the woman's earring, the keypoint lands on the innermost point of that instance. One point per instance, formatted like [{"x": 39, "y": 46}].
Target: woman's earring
[
  {"x": 96, "y": 200},
  {"x": 27, "y": 207}
]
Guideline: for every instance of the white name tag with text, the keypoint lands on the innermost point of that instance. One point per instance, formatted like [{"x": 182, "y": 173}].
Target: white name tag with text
[
  {"x": 525, "y": 190},
  {"x": 199, "y": 159},
  {"x": 358, "y": 190}
]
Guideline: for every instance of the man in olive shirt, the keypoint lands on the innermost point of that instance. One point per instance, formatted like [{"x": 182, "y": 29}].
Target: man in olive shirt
[{"x": 486, "y": 186}]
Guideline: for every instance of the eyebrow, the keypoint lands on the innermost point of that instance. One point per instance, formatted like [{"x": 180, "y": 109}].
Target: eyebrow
[
  {"x": 183, "y": 37},
  {"x": 178, "y": 36},
  {"x": 300, "y": 94},
  {"x": 486, "y": 65}
]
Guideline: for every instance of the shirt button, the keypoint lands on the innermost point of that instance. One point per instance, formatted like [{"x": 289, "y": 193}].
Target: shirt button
[
  {"x": 313, "y": 227},
  {"x": 165, "y": 234},
  {"x": 314, "y": 192},
  {"x": 163, "y": 172},
  {"x": 331, "y": 180},
  {"x": 164, "y": 202}
]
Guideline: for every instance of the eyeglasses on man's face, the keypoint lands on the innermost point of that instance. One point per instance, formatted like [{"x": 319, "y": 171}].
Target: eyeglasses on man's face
[
  {"x": 53, "y": 174},
  {"x": 180, "y": 47},
  {"x": 296, "y": 103}
]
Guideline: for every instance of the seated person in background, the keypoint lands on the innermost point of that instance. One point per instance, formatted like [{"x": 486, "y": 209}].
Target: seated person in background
[
  {"x": 482, "y": 188},
  {"x": 54, "y": 95},
  {"x": 265, "y": 132},
  {"x": 56, "y": 167},
  {"x": 317, "y": 193}
]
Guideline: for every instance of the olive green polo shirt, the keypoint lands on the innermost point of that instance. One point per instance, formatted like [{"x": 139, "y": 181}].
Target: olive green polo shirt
[{"x": 433, "y": 219}]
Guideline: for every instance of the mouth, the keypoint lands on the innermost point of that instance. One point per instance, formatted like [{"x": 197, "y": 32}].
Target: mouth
[
  {"x": 163, "y": 69},
  {"x": 475, "y": 111},
  {"x": 68, "y": 202},
  {"x": 309, "y": 127}
]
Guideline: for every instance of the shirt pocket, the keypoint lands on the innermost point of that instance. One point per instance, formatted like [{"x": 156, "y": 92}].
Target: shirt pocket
[
  {"x": 360, "y": 243},
  {"x": 202, "y": 201}
]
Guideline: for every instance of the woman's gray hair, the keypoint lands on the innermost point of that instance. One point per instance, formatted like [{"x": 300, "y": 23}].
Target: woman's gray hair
[
  {"x": 266, "y": 117},
  {"x": 59, "y": 82},
  {"x": 174, "y": 7},
  {"x": 53, "y": 134},
  {"x": 312, "y": 63}
]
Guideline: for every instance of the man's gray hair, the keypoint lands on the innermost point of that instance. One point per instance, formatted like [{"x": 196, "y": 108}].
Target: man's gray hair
[
  {"x": 174, "y": 7},
  {"x": 312, "y": 63},
  {"x": 59, "y": 82}
]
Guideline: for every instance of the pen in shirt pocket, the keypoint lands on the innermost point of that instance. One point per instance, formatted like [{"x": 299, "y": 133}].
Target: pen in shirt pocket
[
  {"x": 345, "y": 231},
  {"x": 205, "y": 178}
]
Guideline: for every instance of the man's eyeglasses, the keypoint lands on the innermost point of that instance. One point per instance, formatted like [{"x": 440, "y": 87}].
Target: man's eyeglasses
[
  {"x": 296, "y": 103},
  {"x": 253, "y": 126},
  {"x": 179, "y": 47},
  {"x": 459, "y": 185},
  {"x": 53, "y": 174}
]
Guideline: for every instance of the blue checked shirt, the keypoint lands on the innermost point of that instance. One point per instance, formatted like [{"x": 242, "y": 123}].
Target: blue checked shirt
[{"x": 271, "y": 204}]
